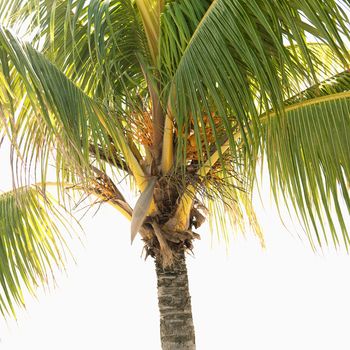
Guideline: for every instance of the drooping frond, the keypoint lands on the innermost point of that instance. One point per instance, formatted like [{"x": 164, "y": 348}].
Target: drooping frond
[
  {"x": 232, "y": 60},
  {"x": 102, "y": 47},
  {"x": 31, "y": 244},
  {"x": 45, "y": 111},
  {"x": 307, "y": 154},
  {"x": 308, "y": 157}
]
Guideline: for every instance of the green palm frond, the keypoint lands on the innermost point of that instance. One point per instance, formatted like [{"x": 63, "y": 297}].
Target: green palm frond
[
  {"x": 102, "y": 48},
  {"x": 31, "y": 244},
  {"x": 307, "y": 153},
  {"x": 242, "y": 58},
  {"x": 50, "y": 113},
  {"x": 308, "y": 156},
  {"x": 97, "y": 44}
]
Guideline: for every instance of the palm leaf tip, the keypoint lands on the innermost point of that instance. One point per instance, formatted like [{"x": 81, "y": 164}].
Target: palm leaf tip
[{"x": 31, "y": 245}]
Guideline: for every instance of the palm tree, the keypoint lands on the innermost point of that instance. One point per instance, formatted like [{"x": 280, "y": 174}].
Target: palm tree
[{"x": 184, "y": 99}]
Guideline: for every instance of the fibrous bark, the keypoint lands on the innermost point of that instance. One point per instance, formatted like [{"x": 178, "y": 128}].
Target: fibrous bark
[{"x": 176, "y": 324}]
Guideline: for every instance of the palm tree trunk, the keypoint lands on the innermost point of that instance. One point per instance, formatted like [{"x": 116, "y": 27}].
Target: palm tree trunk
[{"x": 176, "y": 324}]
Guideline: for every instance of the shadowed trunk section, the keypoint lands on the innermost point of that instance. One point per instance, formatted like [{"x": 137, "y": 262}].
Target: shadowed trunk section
[{"x": 176, "y": 324}]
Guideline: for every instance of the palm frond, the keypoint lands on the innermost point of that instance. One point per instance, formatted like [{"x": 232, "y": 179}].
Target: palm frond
[
  {"x": 31, "y": 244},
  {"x": 102, "y": 48},
  {"x": 239, "y": 59},
  {"x": 96, "y": 44},
  {"x": 308, "y": 157},
  {"x": 51, "y": 113}
]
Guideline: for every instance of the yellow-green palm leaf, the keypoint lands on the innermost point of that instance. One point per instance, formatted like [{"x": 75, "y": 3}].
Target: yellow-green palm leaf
[{"x": 31, "y": 244}]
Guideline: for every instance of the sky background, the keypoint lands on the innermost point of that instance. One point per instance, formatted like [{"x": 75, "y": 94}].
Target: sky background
[{"x": 285, "y": 297}]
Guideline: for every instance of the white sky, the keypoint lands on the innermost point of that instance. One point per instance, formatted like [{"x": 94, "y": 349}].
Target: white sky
[{"x": 286, "y": 297}]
